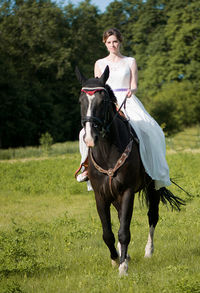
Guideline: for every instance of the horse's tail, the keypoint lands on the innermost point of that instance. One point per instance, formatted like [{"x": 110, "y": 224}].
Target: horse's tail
[{"x": 167, "y": 196}]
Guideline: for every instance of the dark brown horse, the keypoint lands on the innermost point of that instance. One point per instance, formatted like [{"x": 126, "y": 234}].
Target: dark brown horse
[{"x": 115, "y": 168}]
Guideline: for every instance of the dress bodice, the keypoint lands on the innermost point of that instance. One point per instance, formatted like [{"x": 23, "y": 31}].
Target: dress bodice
[{"x": 120, "y": 72}]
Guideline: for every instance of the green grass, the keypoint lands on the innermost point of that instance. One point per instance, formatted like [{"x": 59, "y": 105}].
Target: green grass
[
  {"x": 189, "y": 138},
  {"x": 33, "y": 152},
  {"x": 51, "y": 237}
]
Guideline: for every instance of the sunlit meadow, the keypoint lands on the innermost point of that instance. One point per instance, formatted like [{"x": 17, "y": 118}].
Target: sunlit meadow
[{"x": 51, "y": 238}]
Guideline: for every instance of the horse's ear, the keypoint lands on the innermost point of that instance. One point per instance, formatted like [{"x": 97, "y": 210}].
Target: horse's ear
[
  {"x": 105, "y": 75},
  {"x": 81, "y": 78}
]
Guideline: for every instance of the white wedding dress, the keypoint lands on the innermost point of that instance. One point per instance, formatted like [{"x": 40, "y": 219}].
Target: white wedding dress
[{"x": 151, "y": 137}]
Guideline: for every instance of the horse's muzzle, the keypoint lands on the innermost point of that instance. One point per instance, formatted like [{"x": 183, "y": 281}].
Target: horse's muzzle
[
  {"x": 89, "y": 143},
  {"x": 88, "y": 138}
]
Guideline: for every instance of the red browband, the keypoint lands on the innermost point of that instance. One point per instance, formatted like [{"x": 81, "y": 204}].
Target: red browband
[{"x": 92, "y": 91}]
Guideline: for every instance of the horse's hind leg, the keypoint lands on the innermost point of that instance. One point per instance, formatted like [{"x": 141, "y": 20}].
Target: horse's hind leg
[
  {"x": 124, "y": 231},
  {"x": 103, "y": 209},
  {"x": 154, "y": 199}
]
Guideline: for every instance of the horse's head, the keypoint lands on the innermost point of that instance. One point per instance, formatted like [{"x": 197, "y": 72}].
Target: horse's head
[{"x": 95, "y": 101}]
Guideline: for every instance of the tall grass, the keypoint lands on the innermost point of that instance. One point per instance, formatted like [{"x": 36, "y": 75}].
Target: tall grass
[
  {"x": 31, "y": 152},
  {"x": 51, "y": 237},
  {"x": 187, "y": 139}
]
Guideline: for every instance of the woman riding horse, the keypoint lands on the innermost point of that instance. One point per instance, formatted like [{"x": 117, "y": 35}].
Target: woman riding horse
[
  {"x": 115, "y": 168},
  {"x": 123, "y": 81}
]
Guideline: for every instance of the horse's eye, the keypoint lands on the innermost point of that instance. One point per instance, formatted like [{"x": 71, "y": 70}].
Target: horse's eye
[{"x": 95, "y": 125}]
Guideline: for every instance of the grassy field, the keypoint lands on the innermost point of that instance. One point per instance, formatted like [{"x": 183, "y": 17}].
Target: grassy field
[
  {"x": 188, "y": 139},
  {"x": 51, "y": 238}
]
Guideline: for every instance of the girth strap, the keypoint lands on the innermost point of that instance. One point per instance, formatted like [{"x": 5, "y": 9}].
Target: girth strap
[{"x": 110, "y": 172}]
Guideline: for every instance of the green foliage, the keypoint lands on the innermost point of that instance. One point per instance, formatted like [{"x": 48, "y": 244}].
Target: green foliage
[
  {"x": 182, "y": 31},
  {"x": 176, "y": 105},
  {"x": 12, "y": 287},
  {"x": 42, "y": 42},
  {"x": 34, "y": 43},
  {"x": 17, "y": 255},
  {"x": 46, "y": 141}
]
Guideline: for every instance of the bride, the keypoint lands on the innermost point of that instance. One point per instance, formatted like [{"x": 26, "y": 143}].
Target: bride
[{"x": 123, "y": 81}]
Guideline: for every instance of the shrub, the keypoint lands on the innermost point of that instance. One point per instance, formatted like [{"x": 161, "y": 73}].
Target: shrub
[
  {"x": 176, "y": 106},
  {"x": 46, "y": 141}
]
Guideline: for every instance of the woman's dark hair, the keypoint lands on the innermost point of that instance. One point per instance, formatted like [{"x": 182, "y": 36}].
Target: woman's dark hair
[{"x": 110, "y": 32}]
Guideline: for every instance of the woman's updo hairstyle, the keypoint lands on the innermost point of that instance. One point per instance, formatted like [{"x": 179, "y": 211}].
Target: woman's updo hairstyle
[{"x": 110, "y": 32}]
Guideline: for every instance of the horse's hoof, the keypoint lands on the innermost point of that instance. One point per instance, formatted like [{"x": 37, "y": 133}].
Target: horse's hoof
[
  {"x": 115, "y": 263},
  {"x": 123, "y": 269}
]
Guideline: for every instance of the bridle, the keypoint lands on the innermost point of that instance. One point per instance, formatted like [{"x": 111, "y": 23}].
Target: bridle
[
  {"x": 102, "y": 124},
  {"x": 105, "y": 127}
]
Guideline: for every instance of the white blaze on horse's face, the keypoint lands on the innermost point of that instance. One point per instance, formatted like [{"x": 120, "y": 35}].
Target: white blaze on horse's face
[{"x": 88, "y": 130}]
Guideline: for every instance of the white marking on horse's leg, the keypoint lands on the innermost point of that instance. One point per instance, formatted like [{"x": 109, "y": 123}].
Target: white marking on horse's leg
[
  {"x": 149, "y": 249},
  {"x": 88, "y": 134},
  {"x": 123, "y": 268},
  {"x": 119, "y": 251},
  {"x": 119, "y": 248}
]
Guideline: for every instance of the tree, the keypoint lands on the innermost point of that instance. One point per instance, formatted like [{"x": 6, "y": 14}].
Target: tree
[
  {"x": 177, "y": 106},
  {"x": 182, "y": 32},
  {"x": 33, "y": 39},
  {"x": 41, "y": 44}
]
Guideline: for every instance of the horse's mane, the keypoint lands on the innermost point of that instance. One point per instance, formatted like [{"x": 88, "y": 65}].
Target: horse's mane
[
  {"x": 111, "y": 94},
  {"x": 112, "y": 97}
]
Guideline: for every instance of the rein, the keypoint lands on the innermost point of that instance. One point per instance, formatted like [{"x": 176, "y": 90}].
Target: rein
[
  {"x": 117, "y": 113},
  {"x": 111, "y": 172}
]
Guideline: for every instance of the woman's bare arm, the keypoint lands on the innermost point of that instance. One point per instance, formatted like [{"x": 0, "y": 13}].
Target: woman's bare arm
[
  {"x": 97, "y": 71},
  {"x": 134, "y": 77}
]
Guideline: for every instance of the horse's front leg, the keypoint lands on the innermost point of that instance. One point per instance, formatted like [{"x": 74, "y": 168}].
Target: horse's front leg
[
  {"x": 103, "y": 209},
  {"x": 124, "y": 234}
]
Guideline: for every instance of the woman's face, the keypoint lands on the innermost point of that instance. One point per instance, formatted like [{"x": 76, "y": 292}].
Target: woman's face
[{"x": 112, "y": 44}]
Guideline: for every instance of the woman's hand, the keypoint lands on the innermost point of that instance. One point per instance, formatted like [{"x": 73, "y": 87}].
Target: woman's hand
[{"x": 130, "y": 92}]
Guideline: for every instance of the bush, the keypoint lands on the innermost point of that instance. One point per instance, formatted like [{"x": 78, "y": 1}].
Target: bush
[
  {"x": 177, "y": 105},
  {"x": 46, "y": 141}
]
